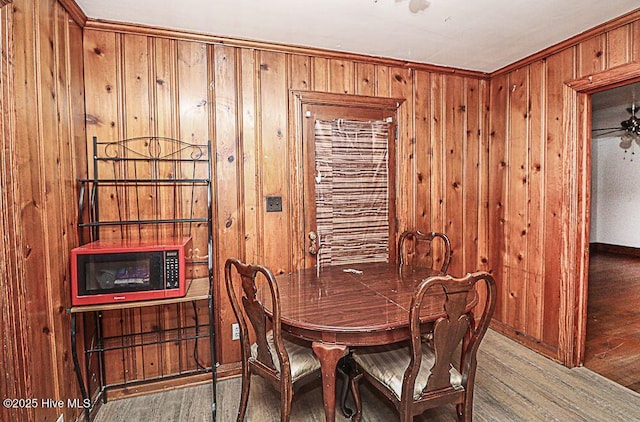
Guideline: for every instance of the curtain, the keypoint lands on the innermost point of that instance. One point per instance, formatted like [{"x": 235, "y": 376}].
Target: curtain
[{"x": 352, "y": 191}]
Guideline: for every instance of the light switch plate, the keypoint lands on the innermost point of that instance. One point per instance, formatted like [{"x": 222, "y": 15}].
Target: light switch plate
[{"x": 274, "y": 204}]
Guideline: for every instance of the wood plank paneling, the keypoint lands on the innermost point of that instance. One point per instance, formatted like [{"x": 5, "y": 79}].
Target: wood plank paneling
[
  {"x": 42, "y": 100},
  {"x": 249, "y": 122},
  {"x": 548, "y": 196}
]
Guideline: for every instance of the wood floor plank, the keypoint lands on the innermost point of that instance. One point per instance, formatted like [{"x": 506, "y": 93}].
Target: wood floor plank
[
  {"x": 513, "y": 383},
  {"x": 613, "y": 324}
]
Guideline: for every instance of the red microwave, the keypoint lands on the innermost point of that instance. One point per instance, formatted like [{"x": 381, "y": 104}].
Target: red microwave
[{"x": 125, "y": 271}]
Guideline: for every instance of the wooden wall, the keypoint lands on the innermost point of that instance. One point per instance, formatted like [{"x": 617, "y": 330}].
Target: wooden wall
[
  {"x": 530, "y": 183},
  {"x": 43, "y": 150},
  {"x": 140, "y": 81}
]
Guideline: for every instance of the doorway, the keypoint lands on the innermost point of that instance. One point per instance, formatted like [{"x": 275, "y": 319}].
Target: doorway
[
  {"x": 577, "y": 177},
  {"x": 612, "y": 340},
  {"x": 347, "y": 151}
]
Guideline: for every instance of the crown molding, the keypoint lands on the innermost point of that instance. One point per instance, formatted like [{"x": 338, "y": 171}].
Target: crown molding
[
  {"x": 138, "y": 29},
  {"x": 73, "y": 10}
]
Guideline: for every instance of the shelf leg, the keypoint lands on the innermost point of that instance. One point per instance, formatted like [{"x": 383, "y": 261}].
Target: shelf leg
[
  {"x": 102, "y": 369},
  {"x": 214, "y": 363},
  {"x": 76, "y": 367}
]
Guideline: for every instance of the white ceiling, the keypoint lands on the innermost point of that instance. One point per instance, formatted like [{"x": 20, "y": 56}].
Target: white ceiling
[{"x": 478, "y": 35}]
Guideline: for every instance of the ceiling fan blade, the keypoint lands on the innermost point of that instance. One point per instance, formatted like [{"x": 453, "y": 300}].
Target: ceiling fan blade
[
  {"x": 607, "y": 128},
  {"x": 606, "y": 133}
]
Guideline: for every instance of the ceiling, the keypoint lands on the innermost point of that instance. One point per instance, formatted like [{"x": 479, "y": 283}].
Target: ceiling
[{"x": 476, "y": 35}]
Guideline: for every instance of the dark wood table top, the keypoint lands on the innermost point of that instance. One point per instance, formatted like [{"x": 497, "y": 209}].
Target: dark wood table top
[{"x": 350, "y": 308}]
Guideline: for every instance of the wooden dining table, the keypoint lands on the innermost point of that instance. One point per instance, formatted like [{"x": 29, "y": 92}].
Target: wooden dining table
[{"x": 348, "y": 306}]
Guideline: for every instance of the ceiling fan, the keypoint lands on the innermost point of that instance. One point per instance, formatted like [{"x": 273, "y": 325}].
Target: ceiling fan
[{"x": 630, "y": 129}]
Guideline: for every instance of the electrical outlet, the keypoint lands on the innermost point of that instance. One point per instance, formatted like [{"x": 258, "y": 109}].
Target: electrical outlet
[{"x": 235, "y": 331}]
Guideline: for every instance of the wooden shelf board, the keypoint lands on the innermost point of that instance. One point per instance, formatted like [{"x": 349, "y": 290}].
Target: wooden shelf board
[{"x": 198, "y": 290}]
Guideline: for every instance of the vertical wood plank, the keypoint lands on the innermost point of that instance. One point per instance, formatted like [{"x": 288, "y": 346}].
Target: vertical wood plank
[
  {"x": 635, "y": 41},
  {"x": 438, "y": 147},
  {"x": 498, "y": 170},
  {"x": 47, "y": 160},
  {"x": 251, "y": 152},
  {"x": 277, "y": 251},
  {"x": 194, "y": 111},
  {"x": 559, "y": 69},
  {"x": 618, "y": 46},
  {"x": 341, "y": 76},
  {"x": 471, "y": 174},
  {"x": 365, "y": 78},
  {"x": 454, "y": 144},
  {"x": 320, "y": 74},
  {"x": 483, "y": 177},
  {"x": 228, "y": 179},
  {"x": 141, "y": 204},
  {"x": 299, "y": 72},
  {"x": 591, "y": 55},
  {"x": 516, "y": 206},
  {"x": 163, "y": 87},
  {"x": 402, "y": 88},
  {"x": 424, "y": 151},
  {"x": 383, "y": 82},
  {"x": 535, "y": 222}
]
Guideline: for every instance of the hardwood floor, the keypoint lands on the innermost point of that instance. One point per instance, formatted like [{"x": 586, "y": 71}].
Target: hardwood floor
[
  {"x": 513, "y": 383},
  {"x": 613, "y": 326}
]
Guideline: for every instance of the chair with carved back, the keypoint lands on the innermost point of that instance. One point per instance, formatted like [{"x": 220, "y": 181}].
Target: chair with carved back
[
  {"x": 417, "y": 249},
  {"x": 279, "y": 359},
  {"x": 417, "y": 375}
]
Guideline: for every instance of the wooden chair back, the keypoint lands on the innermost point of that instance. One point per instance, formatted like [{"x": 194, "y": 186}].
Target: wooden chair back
[
  {"x": 249, "y": 310},
  {"x": 418, "y": 249},
  {"x": 457, "y": 328}
]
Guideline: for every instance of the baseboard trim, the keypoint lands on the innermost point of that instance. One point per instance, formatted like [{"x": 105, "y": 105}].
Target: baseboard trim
[
  {"x": 538, "y": 346},
  {"x": 614, "y": 249}
]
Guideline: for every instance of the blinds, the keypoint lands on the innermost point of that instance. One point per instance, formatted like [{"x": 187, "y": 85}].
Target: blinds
[{"x": 352, "y": 191}]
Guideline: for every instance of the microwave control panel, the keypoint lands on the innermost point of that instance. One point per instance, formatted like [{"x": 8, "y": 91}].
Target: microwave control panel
[{"x": 172, "y": 270}]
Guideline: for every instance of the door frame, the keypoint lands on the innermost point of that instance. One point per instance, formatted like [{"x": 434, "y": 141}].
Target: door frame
[
  {"x": 298, "y": 100},
  {"x": 577, "y": 198}
]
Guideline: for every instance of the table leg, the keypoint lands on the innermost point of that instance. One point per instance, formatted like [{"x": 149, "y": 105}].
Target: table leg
[{"x": 329, "y": 355}]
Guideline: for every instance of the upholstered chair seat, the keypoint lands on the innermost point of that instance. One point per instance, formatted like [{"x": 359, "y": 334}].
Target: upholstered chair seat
[
  {"x": 388, "y": 363},
  {"x": 301, "y": 357}
]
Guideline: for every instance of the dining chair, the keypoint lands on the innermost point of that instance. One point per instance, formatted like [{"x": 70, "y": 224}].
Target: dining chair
[
  {"x": 280, "y": 359},
  {"x": 416, "y": 375},
  {"x": 417, "y": 248}
]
